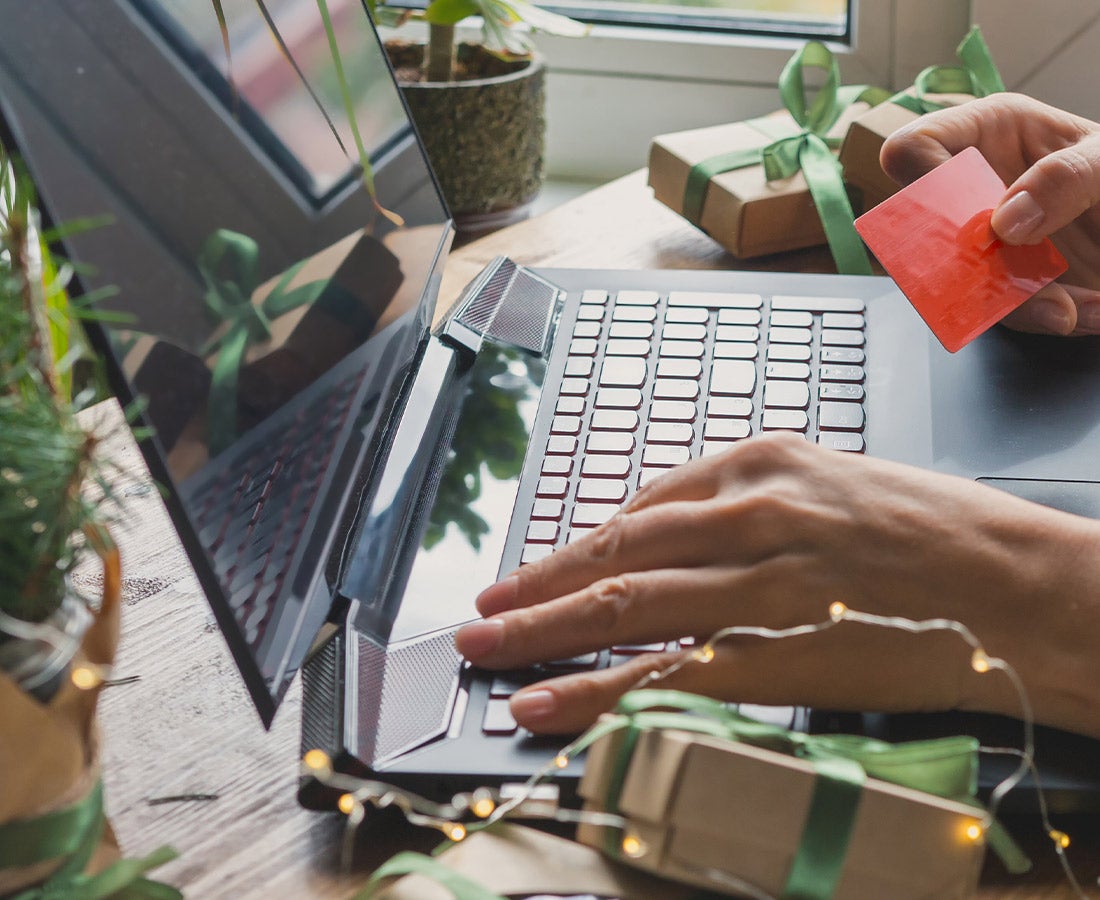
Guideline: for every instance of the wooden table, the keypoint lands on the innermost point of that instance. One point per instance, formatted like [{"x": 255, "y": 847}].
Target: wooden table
[{"x": 186, "y": 760}]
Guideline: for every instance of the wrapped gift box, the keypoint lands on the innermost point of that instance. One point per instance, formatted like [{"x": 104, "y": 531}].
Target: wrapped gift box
[
  {"x": 747, "y": 214},
  {"x": 859, "y": 154},
  {"x": 725, "y": 815}
]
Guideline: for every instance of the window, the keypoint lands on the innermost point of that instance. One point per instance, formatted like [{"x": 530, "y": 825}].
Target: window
[{"x": 611, "y": 92}]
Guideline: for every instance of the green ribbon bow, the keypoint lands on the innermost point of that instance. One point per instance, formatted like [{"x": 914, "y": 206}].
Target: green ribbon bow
[
  {"x": 977, "y": 76},
  {"x": 809, "y": 150},
  {"x": 74, "y": 833},
  {"x": 945, "y": 767},
  {"x": 229, "y": 267}
]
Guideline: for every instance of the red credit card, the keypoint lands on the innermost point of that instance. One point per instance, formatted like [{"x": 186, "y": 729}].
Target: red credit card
[{"x": 934, "y": 238}]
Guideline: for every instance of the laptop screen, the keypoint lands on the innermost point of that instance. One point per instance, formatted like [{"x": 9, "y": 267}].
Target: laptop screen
[{"x": 263, "y": 306}]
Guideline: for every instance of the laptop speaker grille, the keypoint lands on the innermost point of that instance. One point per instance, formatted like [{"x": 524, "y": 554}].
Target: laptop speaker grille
[
  {"x": 512, "y": 306},
  {"x": 320, "y": 698},
  {"x": 405, "y": 694}
]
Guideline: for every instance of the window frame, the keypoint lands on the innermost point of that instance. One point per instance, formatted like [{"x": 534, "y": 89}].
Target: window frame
[{"x": 659, "y": 80}]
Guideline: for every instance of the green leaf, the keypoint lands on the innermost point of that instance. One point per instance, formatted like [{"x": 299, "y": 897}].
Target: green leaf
[{"x": 451, "y": 12}]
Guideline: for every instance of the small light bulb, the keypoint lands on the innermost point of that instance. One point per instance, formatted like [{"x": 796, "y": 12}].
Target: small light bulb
[
  {"x": 86, "y": 677},
  {"x": 837, "y": 611},
  {"x": 633, "y": 846},
  {"x": 456, "y": 831},
  {"x": 1059, "y": 837},
  {"x": 703, "y": 654},
  {"x": 974, "y": 832},
  {"x": 483, "y": 806},
  {"x": 346, "y": 804},
  {"x": 979, "y": 662},
  {"x": 318, "y": 762},
  {"x": 561, "y": 761}
]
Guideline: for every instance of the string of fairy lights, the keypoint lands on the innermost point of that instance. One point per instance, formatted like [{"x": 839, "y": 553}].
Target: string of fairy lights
[{"x": 477, "y": 809}]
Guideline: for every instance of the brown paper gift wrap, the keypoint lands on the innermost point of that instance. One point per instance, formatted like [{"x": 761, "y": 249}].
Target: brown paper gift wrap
[
  {"x": 859, "y": 154},
  {"x": 729, "y": 816},
  {"x": 512, "y": 860},
  {"x": 743, "y": 211}
]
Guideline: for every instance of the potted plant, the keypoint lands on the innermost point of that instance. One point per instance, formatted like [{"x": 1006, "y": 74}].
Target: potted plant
[
  {"x": 479, "y": 107},
  {"x": 56, "y": 646}
]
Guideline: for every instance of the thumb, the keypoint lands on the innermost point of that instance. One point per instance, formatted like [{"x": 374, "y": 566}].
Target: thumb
[{"x": 1051, "y": 194}]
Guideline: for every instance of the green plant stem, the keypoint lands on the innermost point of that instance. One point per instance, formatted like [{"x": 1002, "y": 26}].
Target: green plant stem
[{"x": 439, "y": 60}]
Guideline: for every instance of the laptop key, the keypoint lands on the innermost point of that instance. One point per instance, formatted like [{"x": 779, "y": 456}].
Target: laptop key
[
  {"x": 615, "y": 420},
  {"x": 601, "y": 490},
  {"x": 790, "y": 335},
  {"x": 608, "y": 465},
  {"x": 675, "y": 389},
  {"x": 739, "y": 317},
  {"x": 854, "y": 355},
  {"x": 733, "y": 376},
  {"x": 670, "y": 433},
  {"x": 788, "y": 353},
  {"x": 586, "y": 329},
  {"x": 726, "y": 429},
  {"x": 842, "y": 337},
  {"x": 593, "y": 513},
  {"x": 637, "y": 298},
  {"x": 679, "y": 368},
  {"x": 697, "y": 315},
  {"x": 498, "y": 717},
  {"x": 841, "y": 373},
  {"x": 623, "y": 372},
  {"x": 685, "y": 349},
  {"x": 850, "y": 441},
  {"x": 552, "y": 486},
  {"x": 566, "y": 425},
  {"x": 589, "y": 312},
  {"x": 787, "y": 394},
  {"x": 535, "y": 552},
  {"x": 594, "y": 296},
  {"x": 715, "y": 300},
  {"x": 840, "y": 391},
  {"x": 727, "y": 350},
  {"x": 618, "y": 398},
  {"x": 577, "y": 386},
  {"x": 784, "y": 420},
  {"x": 791, "y": 319},
  {"x": 557, "y": 465},
  {"x": 627, "y": 347},
  {"x": 570, "y": 405},
  {"x": 834, "y": 415},
  {"x": 737, "y": 333},
  {"x": 615, "y": 442},
  {"x": 562, "y": 443},
  {"x": 643, "y": 330},
  {"x": 542, "y": 531},
  {"x": 665, "y": 455},
  {"x": 578, "y": 366},
  {"x": 684, "y": 331},
  {"x": 583, "y": 661},
  {"x": 711, "y": 448},
  {"x": 819, "y": 304},
  {"x": 547, "y": 508},
  {"x": 729, "y": 407},
  {"x": 672, "y": 410},
  {"x": 793, "y": 371},
  {"x": 843, "y": 320},
  {"x": 633, "y": 314}
]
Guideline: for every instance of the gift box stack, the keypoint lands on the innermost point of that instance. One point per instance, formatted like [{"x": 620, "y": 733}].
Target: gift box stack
[{"x": 777, "y": 183}]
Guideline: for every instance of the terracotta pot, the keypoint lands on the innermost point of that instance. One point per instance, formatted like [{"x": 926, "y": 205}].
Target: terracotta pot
[{"x": 484, "y": 135}]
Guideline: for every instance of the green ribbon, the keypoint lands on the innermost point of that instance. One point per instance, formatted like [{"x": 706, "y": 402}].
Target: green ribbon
[
  {"x": 977, "y": 76},
  {"x": 945, "y": 767},
  {"x": 809, "y": 150},
  {"x": 229, "y": 267},
  {"x": 409, "y": 863},
  {"x": 73, "y": 833}
]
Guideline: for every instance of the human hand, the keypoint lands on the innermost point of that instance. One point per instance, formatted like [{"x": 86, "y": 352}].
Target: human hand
[
  {"x": 769, "y": 534},
  {"x": 1051, "y": 161}
]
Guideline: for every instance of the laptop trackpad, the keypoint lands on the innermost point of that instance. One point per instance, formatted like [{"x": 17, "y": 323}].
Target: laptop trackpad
[{"x": 1081, "y": 498}]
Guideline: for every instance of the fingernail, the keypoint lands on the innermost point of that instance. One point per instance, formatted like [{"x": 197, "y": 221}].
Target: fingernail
[
  {"x": 531, "y": 705},
  {"x": 1017, "y": 218},
  {"x": 479, "y": 638},
  {"x": 498, "y": 597},
  {"x": 1050, "y": 315},
  {"x": 1088, "y": 317}
]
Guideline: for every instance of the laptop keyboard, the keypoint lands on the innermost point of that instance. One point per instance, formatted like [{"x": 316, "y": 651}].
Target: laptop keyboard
[{"x": 654, "y": 380}]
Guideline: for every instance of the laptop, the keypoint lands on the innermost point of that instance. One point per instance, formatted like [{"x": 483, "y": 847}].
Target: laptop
[{"x": 346, "y": 478}]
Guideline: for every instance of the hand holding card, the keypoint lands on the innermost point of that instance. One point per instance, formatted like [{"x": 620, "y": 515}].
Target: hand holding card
[{"x": 934, "y": 238}]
